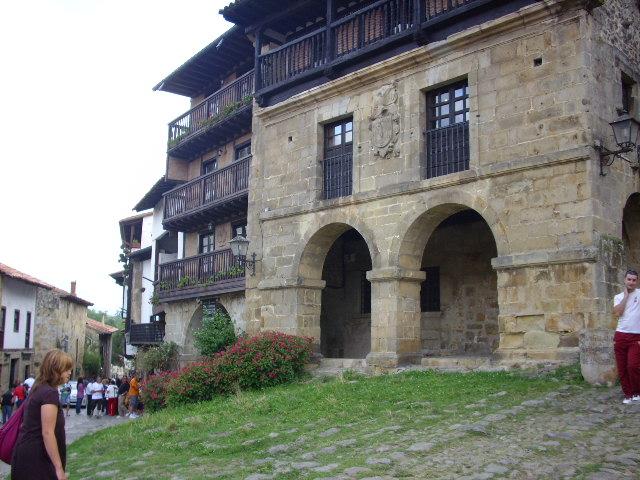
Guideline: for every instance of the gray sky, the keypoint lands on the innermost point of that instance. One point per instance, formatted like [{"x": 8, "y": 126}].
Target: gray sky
[{"x": 83, "y": 135}]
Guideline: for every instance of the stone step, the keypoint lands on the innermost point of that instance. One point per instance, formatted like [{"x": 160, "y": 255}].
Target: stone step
[
  {"x": 456, "y": 362},
  {"x": 343, "y": 363}
]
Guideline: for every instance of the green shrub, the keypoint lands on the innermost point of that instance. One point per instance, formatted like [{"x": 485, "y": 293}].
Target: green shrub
[
  {"x": 91, "y": 361},
  {"x": 158, "y": 358},
  {"x": 251, "y": 363},
  {"x": 216, "y": 333}
]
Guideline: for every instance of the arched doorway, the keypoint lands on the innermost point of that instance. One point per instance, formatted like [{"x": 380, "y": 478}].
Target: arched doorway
[
  {"x": 345, "y": 316},
  {"x": 631, "y": 232},
  {"x": 189, "y": 350},
  {"x": 459, "y": 298}
]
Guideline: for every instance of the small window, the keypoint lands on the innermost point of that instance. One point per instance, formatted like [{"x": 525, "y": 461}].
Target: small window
[
  {"x": 239, "y": 228},
  {"x": 207, "y": 242},
  {"x": 3, "y": 318},
  {"x": 27, "y": 337},
  {"x": 243, "y": 151},
  {"x": 627, "y": 93},
  {"x": 430, "y": 290},
  {"x": 209, "y": 166},
  {"x": 16, "y": 320}
]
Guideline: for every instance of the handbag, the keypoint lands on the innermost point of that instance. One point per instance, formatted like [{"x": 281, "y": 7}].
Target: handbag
[{"x": 9, "y": 434}]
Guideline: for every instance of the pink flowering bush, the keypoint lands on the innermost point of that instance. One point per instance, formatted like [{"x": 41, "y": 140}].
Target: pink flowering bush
[
  {"x": 265, "y": 360},
  {"x": 153, "y": 391}
]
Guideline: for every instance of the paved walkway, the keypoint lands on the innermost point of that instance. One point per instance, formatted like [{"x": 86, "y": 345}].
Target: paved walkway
[{"x": 77, "y": 426}]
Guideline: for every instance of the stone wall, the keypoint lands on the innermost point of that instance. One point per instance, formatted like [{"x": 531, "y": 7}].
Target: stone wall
[
  {"x": 58, "y": 319},
  {"x": 531, "y": 178}
]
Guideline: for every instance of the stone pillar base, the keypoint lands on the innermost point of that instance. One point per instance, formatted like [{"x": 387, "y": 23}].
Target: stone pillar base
[
  {"x": 385, "y": 361},
  {"x": 597, "y": 361}
]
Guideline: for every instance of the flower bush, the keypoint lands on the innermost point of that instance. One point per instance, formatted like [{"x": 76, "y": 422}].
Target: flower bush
[
  {"x": 251, "y": 363},
  {"x": 153, "y": 391}
]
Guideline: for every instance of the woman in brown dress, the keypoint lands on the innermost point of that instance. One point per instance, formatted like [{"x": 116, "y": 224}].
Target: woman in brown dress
[{"x": 41, "y": 452}]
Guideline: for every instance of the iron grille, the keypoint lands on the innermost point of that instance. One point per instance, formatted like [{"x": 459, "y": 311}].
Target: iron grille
[{"x": 447, "y": 149}]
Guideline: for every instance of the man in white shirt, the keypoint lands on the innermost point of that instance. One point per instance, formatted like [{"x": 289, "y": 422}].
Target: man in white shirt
[
  {"x": 29, "y": 383},
  {"x": 626, "y": 340}
]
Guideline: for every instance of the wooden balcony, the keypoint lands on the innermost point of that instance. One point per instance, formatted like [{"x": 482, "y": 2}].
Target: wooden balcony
[
  {"x": 370, "y": 34},
  {"x": 210, "y": 198},
  {"x": 224, "y": 115},
  {"x": 203, "y": 275},
  {"x": 146, "y": 333}
]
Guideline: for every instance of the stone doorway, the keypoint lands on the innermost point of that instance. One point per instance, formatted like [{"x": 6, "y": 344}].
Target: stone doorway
[
  {"x": 190, "y": 352},
  {"x": 345, "y": 313},
  {"x": 631, "y": 233},
  {"x": 459, "y": 298}
]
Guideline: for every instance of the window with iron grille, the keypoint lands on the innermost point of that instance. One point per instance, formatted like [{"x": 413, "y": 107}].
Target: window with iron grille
[
  {"x": 239, "y": 228},
  {"x": 447, "y": 135},
  {"x": 338, "y": 159},
  {"x": 365, "y": 297},
  {"x": 16, "y": 320},
  {"x": 430, "y": 290}
]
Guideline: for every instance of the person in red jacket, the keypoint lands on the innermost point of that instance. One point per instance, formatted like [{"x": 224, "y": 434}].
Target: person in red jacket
[{"x": 20, "y": 393}]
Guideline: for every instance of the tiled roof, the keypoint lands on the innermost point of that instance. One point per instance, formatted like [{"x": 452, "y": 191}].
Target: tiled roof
[
  {"x": 100, "y": 327},
  {"x": 23, "y": 277}
]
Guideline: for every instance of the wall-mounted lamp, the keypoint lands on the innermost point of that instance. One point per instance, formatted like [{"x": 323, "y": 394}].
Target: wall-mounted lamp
[
  {"x": 625, "y": 131},
  {"x": 239, "y": 247}
]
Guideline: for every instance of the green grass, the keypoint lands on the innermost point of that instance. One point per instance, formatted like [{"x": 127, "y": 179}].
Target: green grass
[{"x": 227, "y": 435}]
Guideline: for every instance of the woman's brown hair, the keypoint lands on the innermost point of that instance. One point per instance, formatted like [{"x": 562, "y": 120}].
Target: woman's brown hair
[{"x": 54, "y": 364}]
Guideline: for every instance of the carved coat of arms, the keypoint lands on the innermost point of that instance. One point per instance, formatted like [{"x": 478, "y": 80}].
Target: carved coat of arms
[{"x": 385, "y": 122}]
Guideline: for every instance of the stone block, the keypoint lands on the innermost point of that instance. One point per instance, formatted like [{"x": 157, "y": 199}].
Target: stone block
[
  {"x": 528, "y": 323},
  {"x": 567, "y": 322},
  {"x": 541, "y": 340},
  {"x": 511, "y": 340}
]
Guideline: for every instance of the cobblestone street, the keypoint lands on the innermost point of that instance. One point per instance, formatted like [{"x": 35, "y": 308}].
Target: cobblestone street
[{"x": 77, "y": 426}]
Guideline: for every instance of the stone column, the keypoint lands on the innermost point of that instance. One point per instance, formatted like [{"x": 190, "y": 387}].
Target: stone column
[
  {"x": 292, "y": 306},
  {"x": 395, "y": 317}
]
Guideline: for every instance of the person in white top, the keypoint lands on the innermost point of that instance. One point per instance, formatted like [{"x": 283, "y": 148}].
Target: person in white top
[
  {"x": 29, "y": 383},
  {"x": 626, "y": 340},
  {"x": 97, "y": 398}
]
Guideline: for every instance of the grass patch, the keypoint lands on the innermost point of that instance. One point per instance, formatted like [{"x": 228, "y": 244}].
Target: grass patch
[{"x": 338, "y": 421}]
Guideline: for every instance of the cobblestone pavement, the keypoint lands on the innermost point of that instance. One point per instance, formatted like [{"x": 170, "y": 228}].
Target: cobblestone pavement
[
  {"x": 77, "y": 426},
  {"x": 572, "y": 433}
]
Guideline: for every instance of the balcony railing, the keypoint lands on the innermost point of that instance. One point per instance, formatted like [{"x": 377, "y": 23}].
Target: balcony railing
[
  {"x": 206, "y": 273},
  {"x": 447, "y": 149},
  {"x": 208, "y": 190},
  {"x": 220, "y": 105},
  {"x": 146, "y": 333},
  {"x": 366, "y": 29}
]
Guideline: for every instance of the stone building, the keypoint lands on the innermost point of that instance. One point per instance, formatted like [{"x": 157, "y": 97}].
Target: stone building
[
  {"x": 425, "y": 182},
  {"x": 36, "y": 317},
  {"x": 99, "y": 335},
  {"x": 60, "y": 323}
]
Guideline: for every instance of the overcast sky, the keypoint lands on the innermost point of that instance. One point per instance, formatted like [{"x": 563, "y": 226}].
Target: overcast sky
[{"x": 82, "y": 134}]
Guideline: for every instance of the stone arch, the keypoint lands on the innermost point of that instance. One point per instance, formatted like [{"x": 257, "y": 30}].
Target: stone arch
[
  {"x": 416, "y": 229},
  {"x": 631, "y": 232},
  {"x": 317, "y": 241},
  {"x": 333, "y": 296}
]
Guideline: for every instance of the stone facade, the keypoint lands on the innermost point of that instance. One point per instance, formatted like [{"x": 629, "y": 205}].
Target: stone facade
[
  {"x": 59, "y": 323},
  {"x": 543, "y": 84},
  {"x": 184, "y": 317}
]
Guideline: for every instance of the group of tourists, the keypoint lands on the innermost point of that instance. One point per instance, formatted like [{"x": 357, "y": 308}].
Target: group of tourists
[
  {"x": 15, "y": 396},
  {"x": 113, "y": 397}
]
